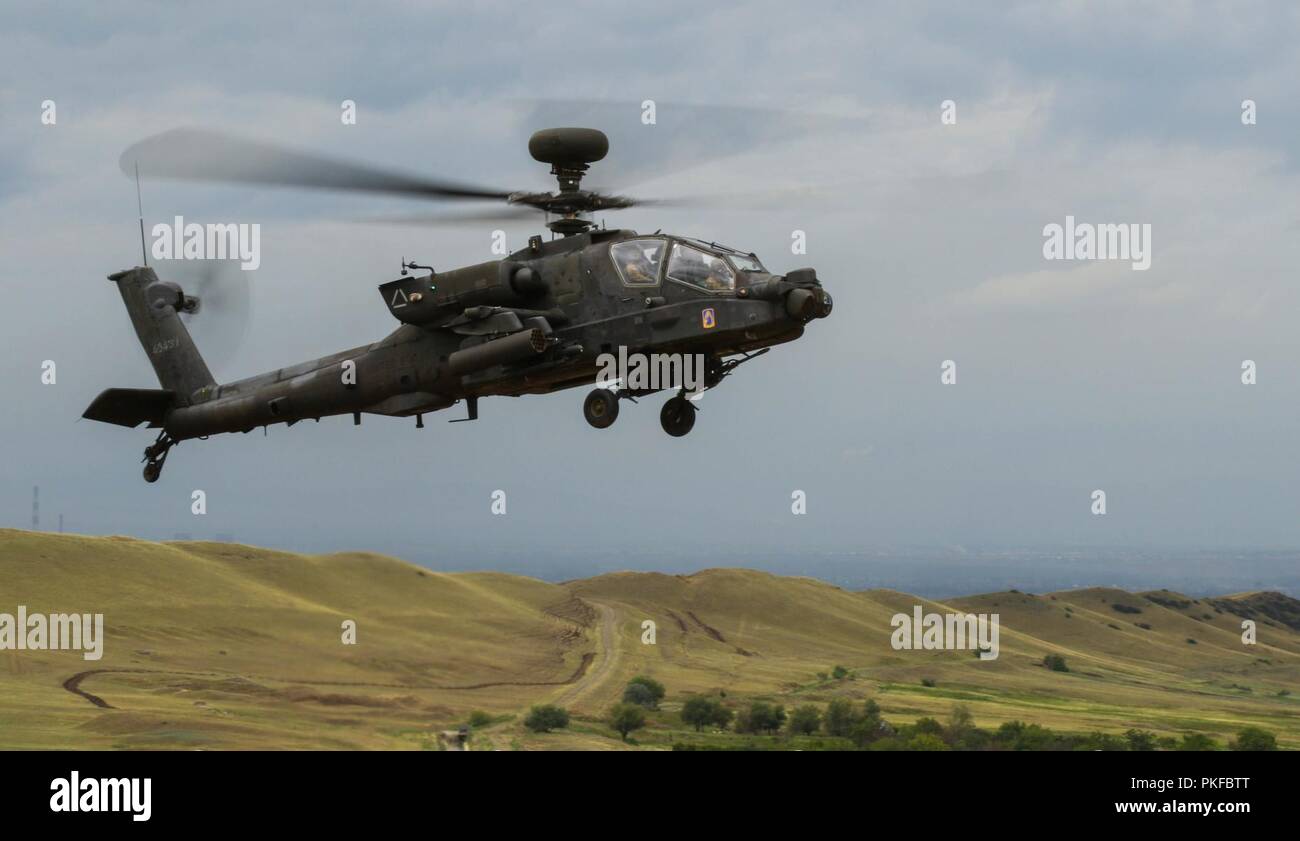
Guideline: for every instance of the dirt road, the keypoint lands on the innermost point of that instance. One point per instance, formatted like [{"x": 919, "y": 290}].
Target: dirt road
[{"x": 606, "y": 661}]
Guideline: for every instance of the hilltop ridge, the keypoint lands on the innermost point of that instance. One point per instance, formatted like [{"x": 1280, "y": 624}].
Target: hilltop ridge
[{"x": 224, "y": 645}]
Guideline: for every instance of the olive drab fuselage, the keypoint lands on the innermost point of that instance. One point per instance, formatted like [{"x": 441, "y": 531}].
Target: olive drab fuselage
[{"x": 534, "y": 322}]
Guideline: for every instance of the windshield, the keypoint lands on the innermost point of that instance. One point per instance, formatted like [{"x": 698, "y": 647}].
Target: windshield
[
  {"x": 745, "y": 262},
  {"x": 693, "y": 266},
  {"x": 638, "y": 260}
]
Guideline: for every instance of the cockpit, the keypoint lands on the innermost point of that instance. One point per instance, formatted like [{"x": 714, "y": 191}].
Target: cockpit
[{"x": 707, "y": 266}]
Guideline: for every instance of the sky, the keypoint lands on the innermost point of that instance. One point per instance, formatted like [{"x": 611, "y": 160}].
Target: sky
[{"x": 1072, "y": 376}]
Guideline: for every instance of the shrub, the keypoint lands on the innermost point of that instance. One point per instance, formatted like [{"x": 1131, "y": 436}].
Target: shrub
[
  {"x": 926, "y": 741},
  {"x": 1140, "y": 740},
  {"x": 839, "y": 673},
  {"x": 1254, "y": 738},
  {"x": 1197, "y": 741},
  {"x": 928, "y": 726},
  {"x": 479, "y": 719},
  {"x": 545, "y": 718},
  {"x": 927, "y": 681},
  {"x": 1056, "y": 663}
]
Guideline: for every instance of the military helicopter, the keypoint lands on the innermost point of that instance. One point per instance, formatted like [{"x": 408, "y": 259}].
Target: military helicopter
[{"x": 534, "y": 322}]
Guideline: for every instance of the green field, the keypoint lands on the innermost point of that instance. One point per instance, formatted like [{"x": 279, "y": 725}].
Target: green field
[{"x": 224, "y": 646}]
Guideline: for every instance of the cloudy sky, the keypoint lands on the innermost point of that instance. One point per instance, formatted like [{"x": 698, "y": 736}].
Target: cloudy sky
[{"x": 1072, "y": 376}]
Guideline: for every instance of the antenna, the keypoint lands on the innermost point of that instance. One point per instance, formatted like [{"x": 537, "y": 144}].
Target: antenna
[{"x": 139, "y": 203}]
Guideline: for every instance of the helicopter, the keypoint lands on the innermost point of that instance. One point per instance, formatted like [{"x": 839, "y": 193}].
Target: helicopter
[{"x": 541, "y": 319}]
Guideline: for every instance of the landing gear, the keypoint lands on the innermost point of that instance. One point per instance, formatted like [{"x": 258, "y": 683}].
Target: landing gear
[
  {"x": 155, "y": 455},
  {"x": 677, "y": 417},
  {"x": 600, "y": 408}
]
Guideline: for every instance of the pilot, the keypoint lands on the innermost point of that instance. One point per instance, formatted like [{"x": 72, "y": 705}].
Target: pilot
[
  {"x": 718, "y": 277},
  {"x": 639, "y": 268}
]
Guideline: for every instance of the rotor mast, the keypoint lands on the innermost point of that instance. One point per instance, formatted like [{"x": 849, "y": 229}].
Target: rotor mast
[{"x": 570, "y": 152}]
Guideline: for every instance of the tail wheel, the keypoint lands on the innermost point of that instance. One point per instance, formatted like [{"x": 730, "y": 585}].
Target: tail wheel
[
  {"x": 152, "y": 471},
  {"x": 677, "y": 417},
  {"x": 600, "y": 408}
]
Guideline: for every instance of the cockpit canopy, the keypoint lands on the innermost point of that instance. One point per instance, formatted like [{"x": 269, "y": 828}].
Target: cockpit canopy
[{"x": 707, "y": 266}]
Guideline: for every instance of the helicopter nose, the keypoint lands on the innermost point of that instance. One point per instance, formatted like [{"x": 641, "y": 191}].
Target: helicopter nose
[{"x": 824, "y": 302}]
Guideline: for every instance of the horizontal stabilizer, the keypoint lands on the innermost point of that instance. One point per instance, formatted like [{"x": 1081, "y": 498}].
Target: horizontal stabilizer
[{"x": 130, "y": 406}]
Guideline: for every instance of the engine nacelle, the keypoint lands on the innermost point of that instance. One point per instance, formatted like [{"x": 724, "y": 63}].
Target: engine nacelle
[{"x": 437, "y": 297}]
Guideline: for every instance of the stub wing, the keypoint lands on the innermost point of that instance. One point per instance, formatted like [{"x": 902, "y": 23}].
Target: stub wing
[{"x": 130, "y": 406}]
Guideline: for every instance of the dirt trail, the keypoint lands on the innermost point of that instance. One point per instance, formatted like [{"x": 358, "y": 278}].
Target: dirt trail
[
  {"x": 73, "y": 684},
  {"x": 606, "y": 661}
]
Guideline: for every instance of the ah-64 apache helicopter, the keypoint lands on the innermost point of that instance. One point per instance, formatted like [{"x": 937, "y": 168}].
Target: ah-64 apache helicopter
[{"x": 531, "y": 323}]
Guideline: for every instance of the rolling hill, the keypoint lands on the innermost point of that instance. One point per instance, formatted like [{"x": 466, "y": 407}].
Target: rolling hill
[{"x": 216, "y": 646}]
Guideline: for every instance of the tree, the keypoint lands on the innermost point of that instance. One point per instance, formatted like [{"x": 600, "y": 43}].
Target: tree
[
  {"x": 1140, "y": 739},
  {"x": 961, "y": 724},
  {"x": 928, "y": 726},
  {"x": 639, "y": 694},
  {"x": 655, "y": 688},
  {"x": 625, "y": 718},
  {"x": 839, "y": 717},
  {"x": 926, "y": 741},
  {"x": 545, "y": 718},
  {"x": 722, "y": 716},
  {"x": 1254, "y": 738},
  {"x": 866, "y": 730},
  {"x": 804, "y": 720},
  {"x": 765, "y": 717},
  {"x": 1056, "y": 663},
  {"x": 1198, "y": 741},
  {"x": 479, "y": 719},
  {"x": 839, "y": 673},
  {"x": 699, "y": 711}
]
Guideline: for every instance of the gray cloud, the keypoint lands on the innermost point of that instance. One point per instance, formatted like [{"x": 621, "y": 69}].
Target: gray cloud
[{"x": 1071, "y": 376}]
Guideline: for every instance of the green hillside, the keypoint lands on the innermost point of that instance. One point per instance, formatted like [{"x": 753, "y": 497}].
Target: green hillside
[{"x": 213, "y": 645}]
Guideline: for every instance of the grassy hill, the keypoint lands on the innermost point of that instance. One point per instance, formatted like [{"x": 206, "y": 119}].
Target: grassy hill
[{"x": 213, "y": 645}]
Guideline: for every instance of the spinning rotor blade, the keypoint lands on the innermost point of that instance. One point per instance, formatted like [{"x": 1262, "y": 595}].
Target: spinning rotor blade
[
  {"x": 515, "y": 213},
  {"x": 201, "y": 155},
  {"x": 224, "y": 291}
]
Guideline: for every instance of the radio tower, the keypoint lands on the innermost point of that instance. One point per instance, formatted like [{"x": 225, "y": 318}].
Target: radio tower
[{"x": 36, "y": 508}]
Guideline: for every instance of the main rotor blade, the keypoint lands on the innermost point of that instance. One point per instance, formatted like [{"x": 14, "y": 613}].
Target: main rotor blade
[
  {"x": 516, "y": 213},
  {"x": 202, "y": 155}
]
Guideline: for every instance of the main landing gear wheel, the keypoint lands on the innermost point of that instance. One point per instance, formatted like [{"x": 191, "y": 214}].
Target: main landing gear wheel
[
  {"x": 155, "y": 455},
  {"x": 600, "y": 408},
  {"x": 677, "y": 417}
]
